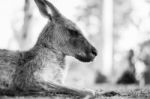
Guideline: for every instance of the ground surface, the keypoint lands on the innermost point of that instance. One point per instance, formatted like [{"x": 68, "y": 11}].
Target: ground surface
[
  {"x": 107, "y": 92},
  {"x": 124, "y": 92}
]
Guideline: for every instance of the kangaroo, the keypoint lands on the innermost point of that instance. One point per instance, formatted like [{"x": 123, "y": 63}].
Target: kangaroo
[{"x": 39, "y": 71}]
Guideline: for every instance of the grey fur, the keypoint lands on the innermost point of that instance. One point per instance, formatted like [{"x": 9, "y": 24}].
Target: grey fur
[{"x": 40, "y": 70}]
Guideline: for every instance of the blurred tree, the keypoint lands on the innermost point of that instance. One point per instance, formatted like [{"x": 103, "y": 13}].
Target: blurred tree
[
  {"x": 97, "y": 18},
  {"x": 107, "y": 31},
  {"x": 90, "y": 15},
  {"x": 131, "y": 26},
  {"x": 22, "y": 34}
]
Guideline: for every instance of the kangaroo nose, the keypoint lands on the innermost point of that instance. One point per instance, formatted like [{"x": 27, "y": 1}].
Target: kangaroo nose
[{"x": 94, "y": 51}]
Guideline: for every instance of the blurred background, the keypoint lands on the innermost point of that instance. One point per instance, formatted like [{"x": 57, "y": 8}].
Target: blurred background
[{"x": 119, "y": 29}]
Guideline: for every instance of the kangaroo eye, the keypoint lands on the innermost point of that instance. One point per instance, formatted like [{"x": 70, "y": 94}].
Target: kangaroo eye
[{"x": 74, "y": 33}]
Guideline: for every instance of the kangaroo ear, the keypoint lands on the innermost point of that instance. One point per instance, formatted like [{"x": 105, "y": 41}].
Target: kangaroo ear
[
  {"x": 47, "y": 9},
  {"x": 43, "y": 8}
]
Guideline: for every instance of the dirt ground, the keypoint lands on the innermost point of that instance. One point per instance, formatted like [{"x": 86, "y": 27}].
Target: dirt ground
[
  {"x": 106, "y": 91},
  {"x": 124, "y": 92}
]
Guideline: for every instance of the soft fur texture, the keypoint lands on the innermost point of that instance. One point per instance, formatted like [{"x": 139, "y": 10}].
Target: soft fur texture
[{"x": 40, "y": 70}]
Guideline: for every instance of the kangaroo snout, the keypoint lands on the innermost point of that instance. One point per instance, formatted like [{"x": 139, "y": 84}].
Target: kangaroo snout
[
  {"x": 89, "y": 55},
  {"x": 92, "y": 54},
  {"x": 94, "y": 51}
]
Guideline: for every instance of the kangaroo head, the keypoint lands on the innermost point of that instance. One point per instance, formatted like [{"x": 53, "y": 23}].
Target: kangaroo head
[{"x": 65, "y": 36}]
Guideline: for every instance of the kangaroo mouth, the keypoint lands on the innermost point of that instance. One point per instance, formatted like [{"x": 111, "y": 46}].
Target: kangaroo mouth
[{"x": 87, "y": 58}]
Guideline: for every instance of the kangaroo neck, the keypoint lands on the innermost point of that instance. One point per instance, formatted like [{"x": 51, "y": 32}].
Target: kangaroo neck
[
  {"x": 44, "y": 48},
  {"x": 46, "y": 36}
]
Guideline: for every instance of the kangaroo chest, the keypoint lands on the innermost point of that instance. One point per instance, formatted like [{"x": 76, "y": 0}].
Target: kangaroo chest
[
  {"x": 50, "y": 73},
  {"x": 48, "y": 66}
]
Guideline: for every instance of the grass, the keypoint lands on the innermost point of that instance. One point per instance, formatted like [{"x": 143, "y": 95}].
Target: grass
[{"x": 106, "y": 91}]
